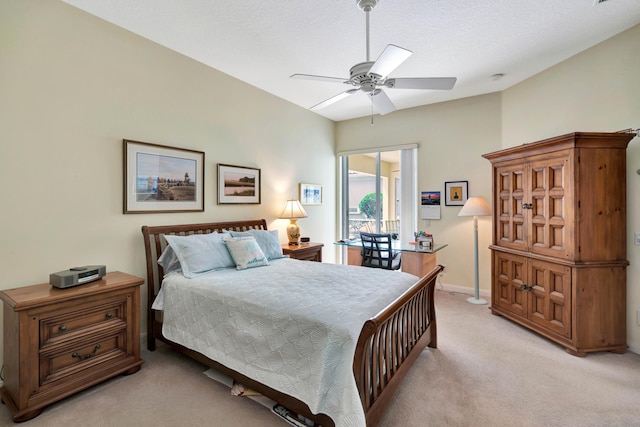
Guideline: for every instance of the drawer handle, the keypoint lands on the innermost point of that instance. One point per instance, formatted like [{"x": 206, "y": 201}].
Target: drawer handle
[
  {"x": 62, "y": 327},
  {"x": 88, "y": 355},
  {"x": 109, "y": 315},
  {"x": 526, "y": 287}
]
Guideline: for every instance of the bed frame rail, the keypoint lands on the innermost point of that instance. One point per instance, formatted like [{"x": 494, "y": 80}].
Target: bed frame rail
[{"x": 390, "y": 342}]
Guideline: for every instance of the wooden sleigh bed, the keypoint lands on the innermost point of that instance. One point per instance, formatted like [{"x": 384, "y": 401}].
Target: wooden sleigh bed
[{"x": 388, "y": 344}]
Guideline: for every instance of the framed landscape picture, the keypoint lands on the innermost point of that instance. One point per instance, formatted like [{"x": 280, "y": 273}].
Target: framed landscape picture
[
  {"x": 310, "y": 194},
  {"x": 159, "y": 178},
  {"x": 456, "y": 193},
  {"x": 238, "y": 185}
]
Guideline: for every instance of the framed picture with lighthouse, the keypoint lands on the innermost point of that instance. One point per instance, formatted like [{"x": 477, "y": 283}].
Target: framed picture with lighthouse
[{"x": 159, "y": 178}]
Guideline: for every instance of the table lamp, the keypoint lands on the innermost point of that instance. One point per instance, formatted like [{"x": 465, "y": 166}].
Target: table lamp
[
  {"x": 293, "y": 210},
  {"x": 475, "y": 207}
]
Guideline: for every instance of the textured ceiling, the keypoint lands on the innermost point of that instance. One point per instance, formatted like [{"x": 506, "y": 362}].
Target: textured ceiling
[{"x": 263, "y": 42}]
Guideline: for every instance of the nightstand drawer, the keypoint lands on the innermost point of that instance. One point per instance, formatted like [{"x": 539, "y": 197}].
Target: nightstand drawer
[
  {"x": 76, "y": 359},
  {"x": 70, "y": 325}
]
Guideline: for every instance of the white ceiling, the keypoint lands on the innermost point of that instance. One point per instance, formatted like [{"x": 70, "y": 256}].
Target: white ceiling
[{"x": 263, "y": 42}]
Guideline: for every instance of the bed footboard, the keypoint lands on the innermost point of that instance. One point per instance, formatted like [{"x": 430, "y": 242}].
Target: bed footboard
[{"x": 391, "y": 341}]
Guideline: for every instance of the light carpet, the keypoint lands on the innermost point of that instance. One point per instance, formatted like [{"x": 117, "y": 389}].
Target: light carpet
[{"x": 486, "y": 371}]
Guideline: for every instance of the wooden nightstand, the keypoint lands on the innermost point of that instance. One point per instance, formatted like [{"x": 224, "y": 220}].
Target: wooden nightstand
[
  {"x": 60, "y": 341},
  {"x": 304, "y": 251}
]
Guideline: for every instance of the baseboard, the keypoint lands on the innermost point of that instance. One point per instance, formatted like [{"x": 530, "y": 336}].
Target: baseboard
[
  {"x": 461, "y": 290},
  {"x": 634, "y": 347}
]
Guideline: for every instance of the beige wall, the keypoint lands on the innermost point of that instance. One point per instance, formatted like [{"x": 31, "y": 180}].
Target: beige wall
[
  {"x": 72, "y": 87},
  {"x": 597, "y": 90}
]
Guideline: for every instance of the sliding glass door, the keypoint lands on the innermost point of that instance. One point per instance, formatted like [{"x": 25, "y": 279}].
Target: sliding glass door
[{"x": 379, "y": 193}]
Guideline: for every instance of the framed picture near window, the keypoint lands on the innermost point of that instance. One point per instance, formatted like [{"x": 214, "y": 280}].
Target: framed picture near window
[
  {"x": 238, "y": 185},
  {"x": 456, "y": 193},
  {"x": 159, "y": 178},
  {"x": 310, "y": 194}
]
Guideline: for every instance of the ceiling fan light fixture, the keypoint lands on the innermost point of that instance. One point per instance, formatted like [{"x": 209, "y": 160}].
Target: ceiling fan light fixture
[{"x": 368, "y": 87}]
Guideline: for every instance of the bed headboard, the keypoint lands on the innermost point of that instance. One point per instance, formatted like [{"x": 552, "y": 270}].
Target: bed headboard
[{"x": 155, "y": 243}]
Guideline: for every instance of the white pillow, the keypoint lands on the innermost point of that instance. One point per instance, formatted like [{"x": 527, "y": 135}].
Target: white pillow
[
  {"x": 246, "y": 252},
  {"x": 267, "y": 240},
  {"x": 199, "y": 253}
]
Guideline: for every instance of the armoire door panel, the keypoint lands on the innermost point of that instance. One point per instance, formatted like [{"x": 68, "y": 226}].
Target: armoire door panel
[
  {"x": 510, "y": 194},
  {"x": 550, "y": 296},
  {"x": 510, "y": 278},
  {"x": 550, "y": 230}
]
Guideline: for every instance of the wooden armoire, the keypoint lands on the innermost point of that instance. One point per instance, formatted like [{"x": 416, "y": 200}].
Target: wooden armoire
[{"x": 559, "y": 239}]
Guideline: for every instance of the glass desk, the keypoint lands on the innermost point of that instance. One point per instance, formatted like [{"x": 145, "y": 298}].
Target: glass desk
[{"x": 414, "y": 261}]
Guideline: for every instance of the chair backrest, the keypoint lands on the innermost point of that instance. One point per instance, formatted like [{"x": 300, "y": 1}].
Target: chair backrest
[
  {"x": 392, "y": 225},
  {"x": 377, "y": 252}
]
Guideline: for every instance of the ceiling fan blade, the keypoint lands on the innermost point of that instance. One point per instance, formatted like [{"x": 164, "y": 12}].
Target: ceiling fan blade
[
  {"x": 435, "y": 83},
  {"x": 334, "y": 99},
  {"x": 390, "y": 58},
  {"x": 382, "y": 102},
  {"x": 320, "y": 78}
]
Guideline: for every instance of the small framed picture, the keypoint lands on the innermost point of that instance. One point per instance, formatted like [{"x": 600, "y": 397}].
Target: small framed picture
[
  {"x": 310, "y": 194},
  {"x": 238, "y": 185},
  {"x": 456, "y": 193},
  {"x": 159, "y": 178}
]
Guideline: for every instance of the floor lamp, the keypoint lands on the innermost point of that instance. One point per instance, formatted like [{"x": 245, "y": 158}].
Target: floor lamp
[{"x": 475, "y": 207}]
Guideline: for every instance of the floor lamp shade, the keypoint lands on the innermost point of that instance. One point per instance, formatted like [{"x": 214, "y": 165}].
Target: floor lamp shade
[
  {"x": 475, "y": 207},
  {"x": 293, "y": 210}
]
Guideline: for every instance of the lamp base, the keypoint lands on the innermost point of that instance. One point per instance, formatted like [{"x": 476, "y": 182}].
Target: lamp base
[
  {"x": 478, "y": 301},
  {"x": 293, "y": 232}
]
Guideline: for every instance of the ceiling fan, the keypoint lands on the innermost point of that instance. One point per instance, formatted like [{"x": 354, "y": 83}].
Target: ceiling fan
[{"x": 370, "y": 77}]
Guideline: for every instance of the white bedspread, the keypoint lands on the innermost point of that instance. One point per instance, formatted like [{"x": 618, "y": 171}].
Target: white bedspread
[{"x": 292, "y": 325}]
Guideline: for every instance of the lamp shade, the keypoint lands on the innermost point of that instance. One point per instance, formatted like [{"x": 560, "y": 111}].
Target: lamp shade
[
  {"x": 293, "y": 209},
  {"x": 475, "y": 206}
]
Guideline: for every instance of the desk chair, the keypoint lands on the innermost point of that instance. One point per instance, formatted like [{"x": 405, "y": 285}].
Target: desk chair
[
  {"x": 377, "y": 253},
  {"x": 392, "y": 225}
]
